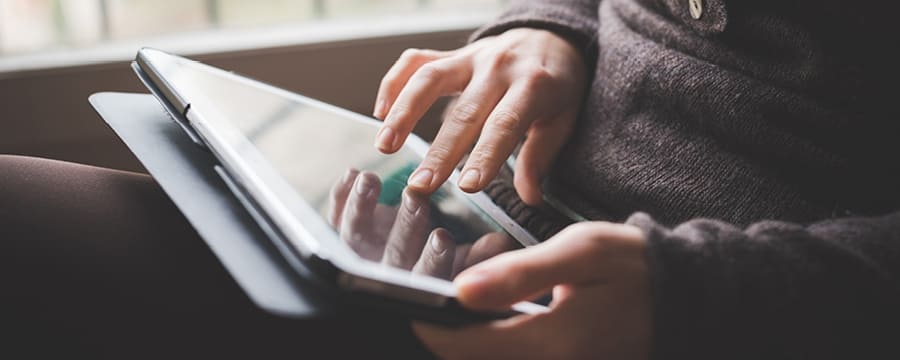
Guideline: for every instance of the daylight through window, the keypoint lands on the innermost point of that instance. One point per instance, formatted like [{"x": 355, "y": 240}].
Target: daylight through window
[{"x": 28, "y": 26}]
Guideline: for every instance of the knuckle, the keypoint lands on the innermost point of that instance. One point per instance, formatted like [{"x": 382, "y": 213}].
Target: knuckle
[
  {"x": 587, "y": 227},
  {"x": 590, "y": 236},
  {"x": 438, "y": 154},
  {"x": 464, "y": 113},
  {"x": 429, "y": 53},
  {"x": 538, "y": 75},
  {"x": 579, "y": 232},
  {"x": 485, "y": 157},
  {"x": 400, "y": 113},
  {"x": 579, "y": 227},
  {"x": 589, "y": 243},
  {"x": 387, "y": 81},
  {"x": 431, "y": 72},
  {"x": 500, "y": 60},
  {"x": 506, "y": 122},
  {"x": 411, "y": 54}
]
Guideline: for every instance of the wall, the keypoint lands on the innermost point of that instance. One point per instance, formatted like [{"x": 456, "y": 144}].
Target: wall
[{"x": 45, "y": 113}]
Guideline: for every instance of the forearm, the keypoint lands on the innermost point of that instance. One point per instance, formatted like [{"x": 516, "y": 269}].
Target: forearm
[
  {"x": 776, "y": 289},
  {"x": 574, "y": 20}
]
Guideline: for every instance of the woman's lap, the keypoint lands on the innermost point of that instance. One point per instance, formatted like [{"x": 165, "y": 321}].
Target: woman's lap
[{"x": 100, "y": 262}]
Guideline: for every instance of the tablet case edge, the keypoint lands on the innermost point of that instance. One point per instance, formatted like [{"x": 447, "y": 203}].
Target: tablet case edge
[{"x": 186, "y": 173}]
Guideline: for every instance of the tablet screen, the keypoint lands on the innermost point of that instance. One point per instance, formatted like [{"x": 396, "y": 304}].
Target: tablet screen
[{"x": 327, "y": 157}]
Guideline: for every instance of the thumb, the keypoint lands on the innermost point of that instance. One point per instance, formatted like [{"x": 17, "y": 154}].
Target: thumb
[
  {"x": 540, "y": 148},
  {"x": 574, "y": 256}
]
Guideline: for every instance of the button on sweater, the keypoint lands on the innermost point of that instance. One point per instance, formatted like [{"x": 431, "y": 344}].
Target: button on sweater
[{"x": 756, "y": 143}]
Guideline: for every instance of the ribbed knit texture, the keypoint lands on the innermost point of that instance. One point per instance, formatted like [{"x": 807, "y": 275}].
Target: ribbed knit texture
[
  {"x": 542, "y": 222},
  {"x": 776, "y": 118}
]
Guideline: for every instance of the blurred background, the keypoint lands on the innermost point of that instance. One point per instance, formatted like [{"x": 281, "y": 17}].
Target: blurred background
[{"x": 55, "y": 53}]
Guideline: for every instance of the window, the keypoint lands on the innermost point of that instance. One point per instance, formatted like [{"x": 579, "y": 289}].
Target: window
[{"x": 30, "y": 26}]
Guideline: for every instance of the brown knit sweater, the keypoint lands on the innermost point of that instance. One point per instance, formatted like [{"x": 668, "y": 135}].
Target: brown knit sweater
[{"x": 774, "y": 117}]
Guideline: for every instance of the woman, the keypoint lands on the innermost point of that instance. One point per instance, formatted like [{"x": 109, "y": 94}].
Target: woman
[
  {"x": 731, "y": 110},
  {"x": 678, "y": 127}
]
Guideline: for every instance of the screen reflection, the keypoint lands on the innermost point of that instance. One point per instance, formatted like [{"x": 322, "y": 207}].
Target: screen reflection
[{"x": 406, "y": 234}]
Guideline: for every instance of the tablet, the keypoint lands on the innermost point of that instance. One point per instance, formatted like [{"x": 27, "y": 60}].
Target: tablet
[{"x": 335, "y": 206}]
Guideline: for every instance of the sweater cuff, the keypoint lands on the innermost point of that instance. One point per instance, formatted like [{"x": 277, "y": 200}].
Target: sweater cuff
[
  {"x": 687, "y": 313},
  {"x": 577, "y": 28},
  {"x": 542, "y": 221}
]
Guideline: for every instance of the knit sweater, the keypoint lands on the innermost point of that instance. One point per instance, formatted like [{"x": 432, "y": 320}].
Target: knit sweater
[{"x": 756, "y": 145}]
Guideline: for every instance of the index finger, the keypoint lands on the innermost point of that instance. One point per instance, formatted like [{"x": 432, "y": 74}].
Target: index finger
[
  {"x": 431, "y": 81},
  {"x": 397, "y": 76}
]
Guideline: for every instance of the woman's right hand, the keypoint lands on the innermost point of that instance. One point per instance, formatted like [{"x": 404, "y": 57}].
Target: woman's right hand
[{"x": 522, "y": 82}]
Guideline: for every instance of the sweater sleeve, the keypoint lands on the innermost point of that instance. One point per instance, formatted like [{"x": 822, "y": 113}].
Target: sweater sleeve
[
  {"x": 775, "y": 289},
  {"x": 574, "y": 20}
]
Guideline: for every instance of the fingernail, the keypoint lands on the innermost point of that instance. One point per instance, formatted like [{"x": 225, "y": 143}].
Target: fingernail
[
  {"x": 362, "y": 186},
  {"x": 379, "y": 109},
  {"x": 385, "y": 139},
  {"x": 436, "y": 244},
  {"x": 410, "y": 203},
  {"x": 349, "y": 175},
  {"x": 421, "y": 178},
  {"x": 470, "y": 180}
]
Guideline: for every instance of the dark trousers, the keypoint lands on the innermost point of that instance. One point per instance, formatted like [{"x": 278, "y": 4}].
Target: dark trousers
[{"x": 98, "y": 263}]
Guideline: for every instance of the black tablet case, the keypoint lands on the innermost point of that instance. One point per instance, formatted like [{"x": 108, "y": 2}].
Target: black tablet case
[{"x": 186, "y": 173}]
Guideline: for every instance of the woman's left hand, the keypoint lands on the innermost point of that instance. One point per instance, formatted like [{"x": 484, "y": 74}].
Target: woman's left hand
[{"x": 601, "y": 299}]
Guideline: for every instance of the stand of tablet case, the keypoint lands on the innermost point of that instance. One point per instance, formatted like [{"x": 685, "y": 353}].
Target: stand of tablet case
[{"x": 186, "y": 173}]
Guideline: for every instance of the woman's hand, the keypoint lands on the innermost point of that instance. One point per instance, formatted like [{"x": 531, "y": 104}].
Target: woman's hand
[
  {"x": 601, "y": 301},
  {"x": 523, "y": 82}
]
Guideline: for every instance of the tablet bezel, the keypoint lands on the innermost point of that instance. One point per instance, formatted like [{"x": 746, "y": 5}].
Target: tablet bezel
[{"x": 280, "y": 203}]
